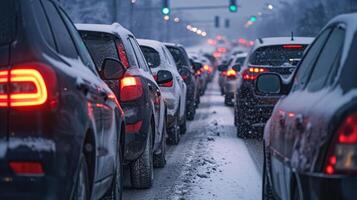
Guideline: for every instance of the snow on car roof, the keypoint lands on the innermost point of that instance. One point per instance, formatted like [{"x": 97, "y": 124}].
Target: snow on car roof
[
  {"x": 151, "y": 43},
  {"x": 173, "y": 44},
  {"x": 114, "y": 28},
  {"x": 282, "y": 40}
]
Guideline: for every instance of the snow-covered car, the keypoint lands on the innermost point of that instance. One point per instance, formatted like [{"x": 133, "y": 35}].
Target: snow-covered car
[
  {"x": 279, "y": 55},
  {"x": 311, "y": 138},
  {"x": 51, "y": 124},
  {"x": 138, "y": 93},
  {"x": 231, "y": 78},
  {"x": 187, "y": 73},
  {"x": 174, "y": 92}
]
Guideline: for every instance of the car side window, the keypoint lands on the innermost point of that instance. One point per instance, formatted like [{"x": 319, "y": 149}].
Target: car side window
[
  {"x": 139, "y": 55},
  {"x": 42, "y": 22},
  {"x": 63, "y": 38},
  {"x": 166, "y": 56},
  {"x": 327, "y": 60},
  {"x": 306, "y": 66},
  {"x": 81, "y": 47}
]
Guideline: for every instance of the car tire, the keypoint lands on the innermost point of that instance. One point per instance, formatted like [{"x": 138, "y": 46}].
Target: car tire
[
  {"x": 183, "y": 126},
  {"x": 160, "y": 159},
  {"x": 81, "y": 188},
  {"x": 267, "y": 191},
  {"x": 174, "y": 133},
  {"x": 116, "y": 190},
  {"x": 142, "y": 170}
]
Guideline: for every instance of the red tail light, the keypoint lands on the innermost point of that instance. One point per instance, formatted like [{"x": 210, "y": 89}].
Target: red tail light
[
  {"x": 293, "y": 46},
  {"x": 122, "y": 54},
  {"x": 253, "y": 72},
  {"x": 27, "y": 168},
  {"x": 231, "y": 73},
  {"x": 342, "y": 157},
  {"x": 26, "y": 86},
  {"x": 133, "y": 128},
  {"x": 130, "y": 88}
]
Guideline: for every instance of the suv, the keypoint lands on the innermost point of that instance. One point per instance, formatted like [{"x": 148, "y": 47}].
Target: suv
[
  {"x": 140, "y": 96},
  {"x": 279, "y": 55},
  {"x": 187, "y": 73},
  {"x": 310, "y": 141},
  {"x": 174, "y": 92},
  {"x": 61, "y": 126}
]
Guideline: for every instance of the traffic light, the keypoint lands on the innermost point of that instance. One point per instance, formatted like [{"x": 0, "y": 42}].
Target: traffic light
[
  {"x": 253, "y": 19},
  {"x": 216, "y": 21},
  {"x": 233, "y": 6},
  {"x": 227, "y": 23},
  {"x": 165, "y": 10}
]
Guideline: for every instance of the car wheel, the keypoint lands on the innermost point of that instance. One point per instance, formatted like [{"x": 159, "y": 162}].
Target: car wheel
[
  {"x": 142, "y": 170},
  {"x": 81, "y": 188},
  {"x": 183, "y": 126},
  {"x": 116, "y": 190},
  {"x": 174, "y": 133},
  {"x": 267, "y": 192},
  {"x": 160, "y": 159}
]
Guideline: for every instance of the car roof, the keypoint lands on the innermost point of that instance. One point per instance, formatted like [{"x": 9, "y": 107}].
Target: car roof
[
  {"x": 114, "y": 28},
  {"x": 172, "y": 44},
  {"x": 271, "y": 41},
  {"x": 151, "y": 43}
]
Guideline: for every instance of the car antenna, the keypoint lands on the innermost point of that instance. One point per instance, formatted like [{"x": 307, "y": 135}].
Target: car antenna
[
  {"x": 292, "y": 36},
  {"x": 261, "y": 40}
]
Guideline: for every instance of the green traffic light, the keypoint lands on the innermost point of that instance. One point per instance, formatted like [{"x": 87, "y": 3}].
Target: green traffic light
[
  {"x": 165, "y": 11},
  {"x": 253, "y": 19},
  {"x": 233, "y": 8}
]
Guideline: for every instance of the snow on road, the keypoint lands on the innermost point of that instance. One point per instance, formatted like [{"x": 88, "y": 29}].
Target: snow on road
[{"x": 210, "y": 163}]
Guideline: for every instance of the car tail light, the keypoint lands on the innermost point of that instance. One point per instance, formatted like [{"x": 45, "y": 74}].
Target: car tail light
[
  {"x": 253, "y": 72},
  {"x": 27, "y": 168},
  {"x": 231, "y": 73},
  {"x": 26, "y": 86},
  {"x": 224, "y": 73},
  {"x": 133, "y": 128},
  {"x": 293, "y": 46},
  {"x": 342, "y": 156},
  {"x": 130, "y": 88},
  {"x": 122, "y": 54}
]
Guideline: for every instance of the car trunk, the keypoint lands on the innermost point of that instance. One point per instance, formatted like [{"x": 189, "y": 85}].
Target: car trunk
[{"x": 7, "y": 34}]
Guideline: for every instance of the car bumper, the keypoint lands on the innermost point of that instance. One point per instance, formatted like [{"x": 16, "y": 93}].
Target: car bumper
[{"x": 321, "y": 186}]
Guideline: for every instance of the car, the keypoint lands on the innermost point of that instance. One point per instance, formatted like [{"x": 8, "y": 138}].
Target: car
[
  {"x": 139, "y": 95},
  {"x": 200, "y": 78},
  {"x": 174, "y": 92},
  {"x": 187, "y": 73},
  {"x": 222, "y": 68},
  {"x": 311, "y": 138},
  {"x": 61, "y": 125},
  {"x": 280, "y": 55},
  {"x": 231, "y": 77}
]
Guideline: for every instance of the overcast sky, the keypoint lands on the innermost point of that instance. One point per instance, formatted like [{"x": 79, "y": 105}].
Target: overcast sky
[{"x": 247, "y": 9}]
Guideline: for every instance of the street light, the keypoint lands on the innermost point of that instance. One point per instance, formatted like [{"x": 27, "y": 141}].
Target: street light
[
  {"x": 204, "y": 34},
  {"x": 177, "y": 20},
  {"x": 166, "y": 18},
  {"x": 270, "y": 6}
]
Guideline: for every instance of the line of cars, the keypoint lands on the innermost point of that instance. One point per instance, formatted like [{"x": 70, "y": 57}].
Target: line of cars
[
  {"x": 310, "y": 137},
  {"x": 83, "y": 105}
]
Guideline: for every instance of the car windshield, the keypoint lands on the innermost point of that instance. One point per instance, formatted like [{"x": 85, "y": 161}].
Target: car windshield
[
  {"x": 276, "y": 55},
  {"x": 151, "y": 56}
]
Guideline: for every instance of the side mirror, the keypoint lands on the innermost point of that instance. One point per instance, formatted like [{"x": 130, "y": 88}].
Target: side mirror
[
  {"x": 237, "y": 67},
  {"x": 269, "y": 83},
  {"x": 222, "y": 68},
  {"x": 164, "y": 76},
  {"x": 112, "y": 69},
  {"x": 197, "y": 66}
]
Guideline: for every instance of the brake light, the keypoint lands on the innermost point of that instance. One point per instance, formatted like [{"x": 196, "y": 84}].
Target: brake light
[
  {"x": 133, "y": 128},
  {"x": 122, "y": 54},
  {"x": 342, "y": 156},
  {"x": 231, "y": 73},
  {"x": 25, "y": 86},
  {"x": 253, "y": 72},
  {"x": 293, "y": 46},
  {"x": 130, "y": 88},
  {"x": 224, "y": 73},
  {"x": 27, "y": 168}
]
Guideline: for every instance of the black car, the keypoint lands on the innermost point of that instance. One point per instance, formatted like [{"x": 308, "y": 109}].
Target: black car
[
  {"x": 279, "y": 55},
  {"x": 187, "y": 73},
  {"x": 139, "y": 95},
  {"x": 311, "y": 137},
  {"x": 61, "y": 125}
]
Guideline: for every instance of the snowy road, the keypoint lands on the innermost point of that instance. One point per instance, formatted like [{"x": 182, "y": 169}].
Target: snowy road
[{"x": 210, "y": 163}]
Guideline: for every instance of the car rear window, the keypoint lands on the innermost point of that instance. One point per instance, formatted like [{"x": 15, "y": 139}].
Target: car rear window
[
  {"x": 178, "y": 57},
  {"x": 7, "y": 21},
  {"x": 277, "y": 55},
  {"x": 151, "y": 56},
  {"x": 240, "y": 60}
]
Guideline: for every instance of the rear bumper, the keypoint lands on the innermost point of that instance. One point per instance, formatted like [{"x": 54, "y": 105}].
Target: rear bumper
[{"x": 321, "y": 186}]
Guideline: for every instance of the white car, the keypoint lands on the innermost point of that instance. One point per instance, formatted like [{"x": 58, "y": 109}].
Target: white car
[{"x": 174, "y": 93}]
